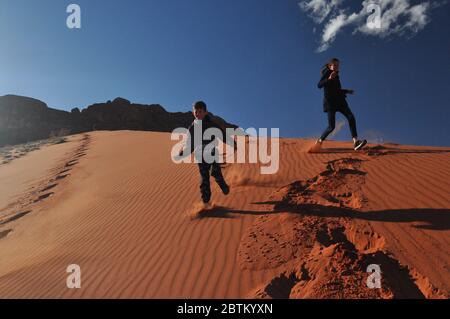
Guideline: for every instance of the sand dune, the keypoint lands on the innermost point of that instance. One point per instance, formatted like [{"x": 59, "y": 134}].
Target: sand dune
[{"x": 115, "y": 204}]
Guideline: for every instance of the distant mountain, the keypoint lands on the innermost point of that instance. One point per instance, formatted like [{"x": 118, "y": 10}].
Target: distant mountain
[{"x": 24, "y": 119}]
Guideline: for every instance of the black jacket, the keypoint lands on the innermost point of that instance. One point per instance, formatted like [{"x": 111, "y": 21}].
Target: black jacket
[
  {"x": 334, "y": 96},
  {"x": 207, "y": 123}
]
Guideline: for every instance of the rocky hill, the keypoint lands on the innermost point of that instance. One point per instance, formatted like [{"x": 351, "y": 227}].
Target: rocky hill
[{"x": 24, "y": 119}]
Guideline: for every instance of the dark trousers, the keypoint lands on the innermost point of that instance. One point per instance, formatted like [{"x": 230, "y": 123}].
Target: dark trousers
[
  {"x": 332, "y": 122},
  {"x": 207, "y": 170}
]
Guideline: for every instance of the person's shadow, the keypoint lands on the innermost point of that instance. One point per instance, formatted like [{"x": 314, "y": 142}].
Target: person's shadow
[{"x": 429, "y": 218}]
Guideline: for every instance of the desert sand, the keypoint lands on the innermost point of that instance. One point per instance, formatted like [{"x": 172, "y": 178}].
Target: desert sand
[{"x": 115, "y": 204}]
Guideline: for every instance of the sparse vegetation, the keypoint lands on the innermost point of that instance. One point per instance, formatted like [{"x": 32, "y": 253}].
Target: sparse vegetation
[
  {"x": 59, "y": 137},
  {"x": 11, "y": 152}
]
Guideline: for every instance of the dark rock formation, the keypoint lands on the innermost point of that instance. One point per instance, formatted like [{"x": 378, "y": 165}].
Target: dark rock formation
[{"x": 24, "y": 119}]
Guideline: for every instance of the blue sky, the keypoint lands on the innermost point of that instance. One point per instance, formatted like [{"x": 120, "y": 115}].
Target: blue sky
[{"x": 255, "y": 62}]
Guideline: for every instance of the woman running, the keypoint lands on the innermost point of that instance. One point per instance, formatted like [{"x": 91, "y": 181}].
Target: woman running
[{"x": 335, "y": 101}]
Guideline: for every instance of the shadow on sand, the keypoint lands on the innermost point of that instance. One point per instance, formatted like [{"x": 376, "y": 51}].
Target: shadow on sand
[{"x": 428, "y": 218}]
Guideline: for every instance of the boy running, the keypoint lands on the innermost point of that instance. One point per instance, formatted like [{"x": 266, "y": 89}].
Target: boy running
[{"x": 204, "y": 120}]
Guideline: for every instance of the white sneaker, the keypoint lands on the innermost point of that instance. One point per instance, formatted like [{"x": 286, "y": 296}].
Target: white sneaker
[{"x": 360, "y": 144}]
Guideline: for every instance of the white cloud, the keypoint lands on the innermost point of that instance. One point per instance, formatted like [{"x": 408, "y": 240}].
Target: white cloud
[
  {"x": 319, "y": 9},
  {"x": 418, "y": 17},
  {"x": 330, "y": 30},
  {"x": 398, "y": 18}
]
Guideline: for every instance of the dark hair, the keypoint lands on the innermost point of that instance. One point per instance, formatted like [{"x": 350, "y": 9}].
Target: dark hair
[
  {"x": 327, "y": 66},
  {"x": 200, "y": 105},
  {"x": 333, "y": 60}
]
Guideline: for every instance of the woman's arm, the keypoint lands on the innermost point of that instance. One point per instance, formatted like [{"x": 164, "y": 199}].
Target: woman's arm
[
  {"x": 323, "y": 80},
  {"x": 326, "y": 77},
  {"x": 346, "y": 91}
]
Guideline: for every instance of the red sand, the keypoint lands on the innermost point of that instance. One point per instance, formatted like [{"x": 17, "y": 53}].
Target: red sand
[{"x": 114, "y": 203}]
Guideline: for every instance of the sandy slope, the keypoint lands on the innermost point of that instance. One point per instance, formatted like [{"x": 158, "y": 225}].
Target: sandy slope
[{"x": 114, "y": 203}]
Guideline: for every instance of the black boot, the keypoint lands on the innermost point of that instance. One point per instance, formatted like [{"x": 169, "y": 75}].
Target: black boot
[
  {"x": 216, "y": 172},
  {"x": 224, "y": 187},
  {"x": 206, "y": 198},
  {"x": 205, "y": 187}
]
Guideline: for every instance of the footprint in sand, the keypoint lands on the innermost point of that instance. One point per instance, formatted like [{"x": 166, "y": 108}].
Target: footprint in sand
[
  {"x": 64, "y": 171},
  {"x": 5, "y": 233},
  {"x": 61, "y": 176},
  {"x": 49, "y": 187},
  {"x": 71, "y": 163},
  {"x": 15, "y": 217},
  {"x": 42, "y": 197}
]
